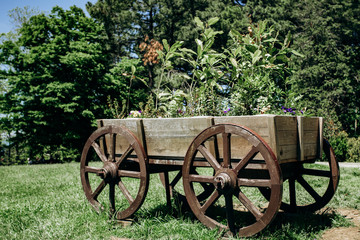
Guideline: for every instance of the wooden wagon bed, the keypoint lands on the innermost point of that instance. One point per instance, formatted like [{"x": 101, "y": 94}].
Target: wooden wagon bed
[
  {"x": 290, "y": 138},
  {"x": 218, "y": 160}
]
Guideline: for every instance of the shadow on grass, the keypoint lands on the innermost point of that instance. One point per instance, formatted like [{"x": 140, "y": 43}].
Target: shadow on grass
[{"x": 285, "y": 225}]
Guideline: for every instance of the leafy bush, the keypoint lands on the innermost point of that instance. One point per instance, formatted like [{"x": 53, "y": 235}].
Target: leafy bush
[
  {"x": 248, "y": 77},
  {"x": 339, "y": 143},
  {"x": 354, "y": 149}
]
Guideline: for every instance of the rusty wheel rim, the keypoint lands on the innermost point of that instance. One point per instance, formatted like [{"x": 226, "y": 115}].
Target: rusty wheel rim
[
  {"x": 319, "y": 198},
  {"x": 107, "y": 182},
  {"x": 230, "y": 183}
]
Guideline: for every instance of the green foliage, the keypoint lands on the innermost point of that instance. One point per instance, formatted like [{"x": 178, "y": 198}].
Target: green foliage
[
  {"x": 245, "y": 78},
  {"x": 327, "y": 34},
  {"x": 259, "y": 67},
  {"x": 354, "y": 149},
  {"x": 339, "y": 143},
  {"x": 55, "y": 75}
]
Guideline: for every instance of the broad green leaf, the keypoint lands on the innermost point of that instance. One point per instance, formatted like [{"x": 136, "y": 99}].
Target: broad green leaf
[
  {"x": 271, "y": 40},
  {"x": 234, "y": 62},
  {"x": 198, "y": 22},
  {"x": 200, "y": 47},
  {"x": 176, "y": 45},
  {"x": 166, "y": 45},
  {"x": 297, "y": 53},
  {"x": 133, "y": 70},
  {"x": 256, "y": 57},
  {"x": 213, "y": 20},
  {"x": 187, "y": 50}
]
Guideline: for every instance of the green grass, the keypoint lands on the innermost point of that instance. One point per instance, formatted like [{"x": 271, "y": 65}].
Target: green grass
[{"x": 47, "y": 202}]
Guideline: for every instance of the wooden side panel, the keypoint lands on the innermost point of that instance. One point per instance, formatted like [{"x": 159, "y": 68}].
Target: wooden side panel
[
  {"x": 133, "y": 124},
  {"x": 171, "y": 137},
  {"x": 290, "y": 138},
  {"x": 311, "y": 137},
  {"x": 286, "y": 135},
  {"x": 261, "y": 124}
]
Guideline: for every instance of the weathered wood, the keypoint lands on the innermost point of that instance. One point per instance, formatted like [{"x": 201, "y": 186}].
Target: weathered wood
[
  {"x": 172, "y": 136},
  {"x": 291, "y": 138}
]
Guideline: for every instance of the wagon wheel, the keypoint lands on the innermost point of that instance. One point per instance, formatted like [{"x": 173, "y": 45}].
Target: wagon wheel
[
  {"x": 307, "y": 178},
  {"x": 230, "y": 207},
  {"x": 114, "y": 157}
]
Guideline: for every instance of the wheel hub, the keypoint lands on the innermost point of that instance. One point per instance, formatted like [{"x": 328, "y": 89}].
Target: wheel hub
[
  {"x": 109, "y": 171},
  {"x": 225, "y": 180}
]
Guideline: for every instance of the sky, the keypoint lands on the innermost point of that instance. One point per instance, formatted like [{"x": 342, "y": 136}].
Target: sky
[{"x": 42, "y": 5}]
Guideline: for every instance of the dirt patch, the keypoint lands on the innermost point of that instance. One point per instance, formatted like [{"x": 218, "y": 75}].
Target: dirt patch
[{"x": 345, "y": 233}]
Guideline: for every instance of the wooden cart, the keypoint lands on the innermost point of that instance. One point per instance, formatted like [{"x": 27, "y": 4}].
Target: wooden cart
[{"x": 221, "y": 161}]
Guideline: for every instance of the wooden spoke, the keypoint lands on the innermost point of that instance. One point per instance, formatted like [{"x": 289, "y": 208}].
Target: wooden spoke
[
  {"x": 112, "y": 147},
  {"x": 254, "y": 182},
  {"x": 201, "y": 179},
  {"x": 125, "y": 192},
  {"x": 249, "y": 156},
  {"x": 248, "y": 204},
  {"x": 99, "y": 189},
  {"x": 210, "y": 201},
  {"x": 127, "y": 173},
  {"x": 112, "y": 198},
  {"x": 309, "y": 189},
  {"x": 230, "y": 212},
  {"x": 99, "y": 151},
  {"x": 226, "y": 150},
  {"x": 125, "y": 155},
  {"x": 176, "y": 179},
  {"x": 206, "y": 186},
  {"x": 209, "y": 157},
  {"x": 292, "y": 193},
  {"x": 316, "y": 172},
  {"x": 89, "y": 169}
]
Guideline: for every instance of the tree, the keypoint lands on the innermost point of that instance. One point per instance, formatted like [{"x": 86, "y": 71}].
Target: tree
[
  {"x": 127, "y": 23},
  {"x": 19, "y": 16},
  {"x": 327, "y": 34},
  {"x": 56, "y": 86}
]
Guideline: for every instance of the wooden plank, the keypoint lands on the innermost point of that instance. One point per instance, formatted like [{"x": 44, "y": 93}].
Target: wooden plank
[
  {"x": 173, "y": 136},
  {"x": 133, "y": 124},
  {"x": 300, "y": 138},
  {"x": 320, "y": 139},
  {"x": 286, "y": 137}
]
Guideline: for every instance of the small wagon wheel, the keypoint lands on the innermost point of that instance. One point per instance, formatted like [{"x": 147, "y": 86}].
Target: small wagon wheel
[
  {"x": 307, "y": 177},
  {"x": 229, "y": 207},
  {"x": 105, "y": 163}
]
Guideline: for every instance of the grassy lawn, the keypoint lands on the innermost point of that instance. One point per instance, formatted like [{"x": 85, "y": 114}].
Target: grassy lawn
[{"x": 47, "y": 202}]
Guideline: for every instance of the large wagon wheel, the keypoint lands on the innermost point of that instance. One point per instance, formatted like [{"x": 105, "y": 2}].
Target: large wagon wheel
[
  {"x": 307, "y": 178},
  {"x": 114, "y": 157},
  {"x": 230, "y": 207}
]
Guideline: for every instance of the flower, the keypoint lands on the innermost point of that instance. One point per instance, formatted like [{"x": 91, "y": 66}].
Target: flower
[{"x": 135, "y": 114}]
